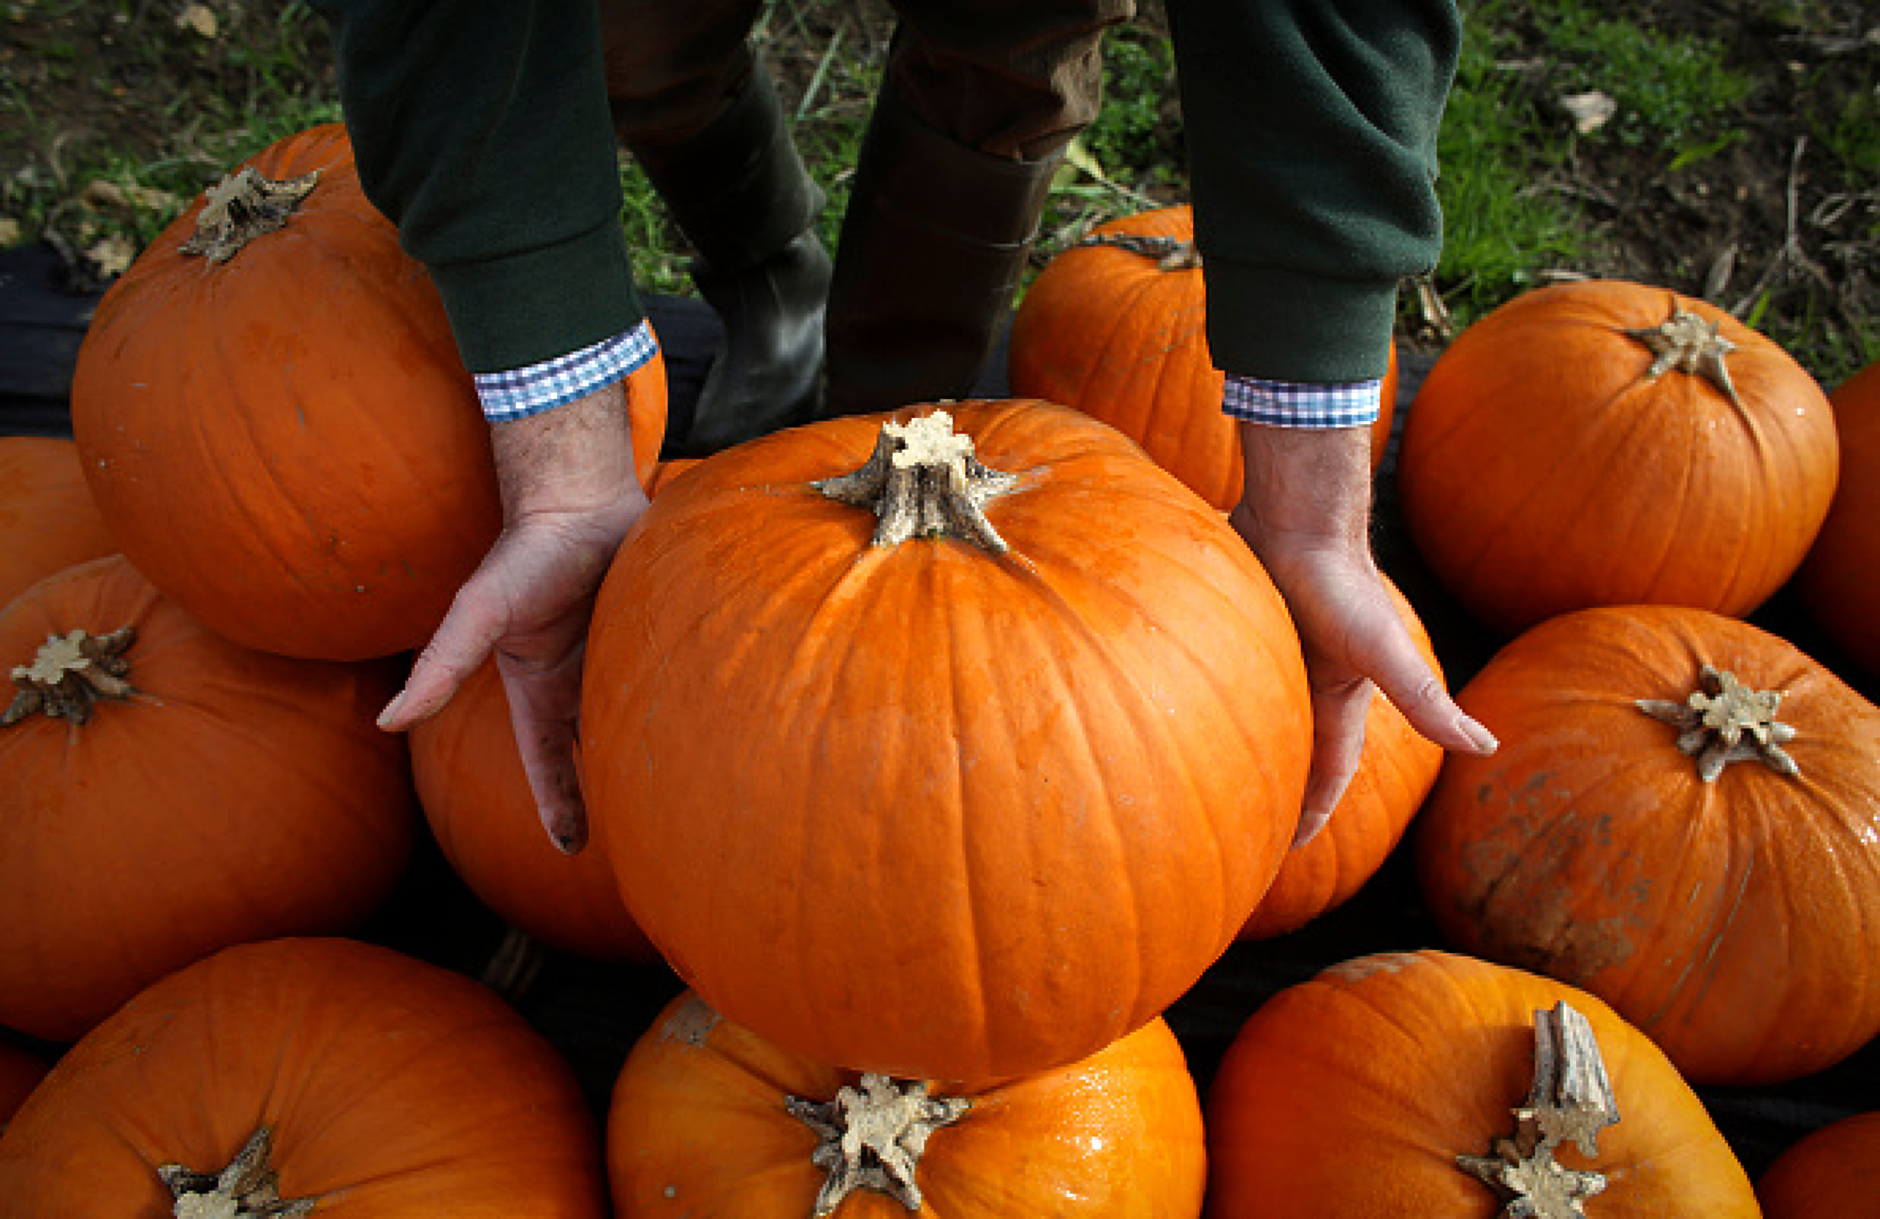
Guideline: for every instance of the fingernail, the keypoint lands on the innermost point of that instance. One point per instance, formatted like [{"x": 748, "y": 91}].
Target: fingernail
[
  {"x": 1310, "y": 823},
  {"x": 1483, "y": 740},
  {"x": 392, "y": 708}
]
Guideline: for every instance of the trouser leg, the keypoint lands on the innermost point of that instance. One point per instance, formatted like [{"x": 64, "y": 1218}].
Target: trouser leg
[{"x": 977, "y": 106}]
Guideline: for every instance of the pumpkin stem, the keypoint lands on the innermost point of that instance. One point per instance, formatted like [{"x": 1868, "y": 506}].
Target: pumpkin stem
[
  {"x": 1170, "y": 253},
  {"x": 923, "y": 479},
  {"x": 873, "y": 1136},
  {"x": 1724, "y": 721},
  {"x": 247, "y": 1189},
  {"x": 1570, "y": 1098},
  {"x": 70, "y": 675},
  {"x": 1687, "y": 343},
  {"x": 243, "y": 206}
]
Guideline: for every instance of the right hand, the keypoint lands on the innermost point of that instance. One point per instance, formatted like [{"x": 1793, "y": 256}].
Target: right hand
[{"x": 569, "y": 497}]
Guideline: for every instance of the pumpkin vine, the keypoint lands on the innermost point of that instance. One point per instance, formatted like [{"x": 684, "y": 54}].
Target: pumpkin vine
[
  {"x": 247, "y": 1189},
  {"x": 72, "y": 674},
  {"x": 1724, "y": 721},
  {"x": 243, "y": 206},
  {"x": 923, "y": 480},
  {"x": 1686, "y": 343}
]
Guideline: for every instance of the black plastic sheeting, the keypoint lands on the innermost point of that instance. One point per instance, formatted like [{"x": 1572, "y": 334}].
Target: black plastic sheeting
[{"x": 593, "y": 1012}]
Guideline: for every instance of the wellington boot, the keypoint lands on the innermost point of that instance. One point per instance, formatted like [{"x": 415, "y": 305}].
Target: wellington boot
[
  {"x": 740, "y": 193},
  {"x": 932, "y": 252}
]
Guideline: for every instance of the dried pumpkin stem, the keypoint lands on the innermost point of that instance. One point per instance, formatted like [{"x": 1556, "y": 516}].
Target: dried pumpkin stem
[
  {"x": 248, "y": 1188},
  {"x": 72, "y": 674},
  {"x": 923, "y": 480},
  {"x": 1724, "y": 721},
  {"x": 873, "y": 1136},
  {"x": 1686, "y": 343},
  {"x": 243, "y": 206},
  {"x": 1570, "y": 1099},
  {"x": 1170, "y": 253}
]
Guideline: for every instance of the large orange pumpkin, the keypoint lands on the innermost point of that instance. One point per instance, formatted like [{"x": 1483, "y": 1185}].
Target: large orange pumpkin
[
  {"x": 1839, "y": 581},
  {"x": 380, "y": 1086},
  {"x": 1708, "y": 863},
  {"x": 48, "y": 521},
  {"x": 169, "y": 793},
  {"x": 477, "y": 802},
  {"x": 710, "y": 1121},
  {"x": 1607, "y": 442},
  {"x": 1395, "y": 772},
  {"x": 1116, "y": 326},
  {"x": 1832, "y": 1172},
  {"x": 280, "y": 433},
  {"x": 1352, "y": 1096},
  {"x": 959, "y": 806}
]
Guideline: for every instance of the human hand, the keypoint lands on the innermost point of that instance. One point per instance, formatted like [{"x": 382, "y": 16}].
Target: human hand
[
  {"x": 1305, "y": 512},
  {"x": 569, "y": 496}
]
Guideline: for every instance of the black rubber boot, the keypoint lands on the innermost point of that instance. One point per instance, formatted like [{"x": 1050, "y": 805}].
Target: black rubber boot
[
  {"x": 742, "y": 197},
  {"x": 932, "y": 251}
]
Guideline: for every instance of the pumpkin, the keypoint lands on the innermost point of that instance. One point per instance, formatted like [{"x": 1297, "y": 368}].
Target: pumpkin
[
  {"x": 1116, "y": 326},
  {"x": 20, "y": 1072},
  {"x": 1389, "y": 1085},
  {"x": 710, "y": 1121},
  {"x": 941, "y": 754},
  {"x": 477, "y": 802},
  {"x": 1395, "y": 773},
  {"x": 276, "y": 424},
  {"x": 1684, "y": 818},
  {"x": 1608, "y": 443},
  {"x": 47, "y": 519},
  {"x": 1837, "y": 580},
  {"x": 1829, "y": 1173},
  {"x": 169, "y": 793},
  {"x": 338, "y": 1074}
]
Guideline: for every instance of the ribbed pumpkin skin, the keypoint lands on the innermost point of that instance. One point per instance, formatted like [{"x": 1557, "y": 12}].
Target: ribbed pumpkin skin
[
  {"x": 921, "y": 809},
  {"x": 287, "y": 443},
  {"x": 1110, "y": 332},
  {"x": 1349, "y": 1096},
  {"x": 1838, "y": 581},
  {"x": 1543, "y": 471},
  {"x": 477, "y": 802},
  {"x": 394, "y": 1089},
  {"x": 698, "y": 1128},
  {"x": 1832, "y": 1172},
  {"x": 47, "y": 519},
  {"x": 246, "y": 795},
  {"x": 1395, "y": 774},
  {"x": 1735, "y": 922}
]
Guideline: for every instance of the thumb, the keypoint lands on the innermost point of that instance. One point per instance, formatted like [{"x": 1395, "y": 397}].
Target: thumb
[{"x": 459, "y": 647}]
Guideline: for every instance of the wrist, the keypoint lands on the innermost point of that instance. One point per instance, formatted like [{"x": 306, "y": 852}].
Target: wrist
[
  {"x": 575, "y": 459},
  {"x": 1305, "y": 488}
]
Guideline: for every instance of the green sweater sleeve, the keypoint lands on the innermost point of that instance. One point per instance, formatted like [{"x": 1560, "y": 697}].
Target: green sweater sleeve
[
  {"x": 1311, "y": 129},
  {"x": 483, "y": 132}
]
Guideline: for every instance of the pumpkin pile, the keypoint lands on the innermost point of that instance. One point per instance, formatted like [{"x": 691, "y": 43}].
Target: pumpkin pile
[{"x": 933, "y": 759}]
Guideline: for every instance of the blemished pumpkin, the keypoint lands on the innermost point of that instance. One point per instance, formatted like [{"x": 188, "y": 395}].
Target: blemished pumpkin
[
  {"x": 1609, "y": 443},
  {"x": 275, "y": 421},
  {"x": 477, "y": 802},
  {"x": 169, "y": 793},
  {"x": 1388, "y": 1084},
  {"x": 1838, "y": 580},
  {"x": 1116, "y": 326},
  {"x": 47, "y": 519},
  {"x": 1832, "y": 1172},
  {"x": 343, "y": 1076},
  {"x": 949, "y": 745},
  {"x": 1395, "y": 773},
  {"x": 1684, "y": 818},
  {"x": 710, "y": 1121}
]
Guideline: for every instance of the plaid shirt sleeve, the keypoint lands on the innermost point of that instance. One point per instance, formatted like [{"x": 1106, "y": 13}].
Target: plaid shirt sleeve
[
  {"x": 1296, "y": 405},
  {"x": 516, "y": 393}
]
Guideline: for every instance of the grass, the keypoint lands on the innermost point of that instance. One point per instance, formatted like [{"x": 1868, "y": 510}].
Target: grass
[{"x": 80, "y": 164}]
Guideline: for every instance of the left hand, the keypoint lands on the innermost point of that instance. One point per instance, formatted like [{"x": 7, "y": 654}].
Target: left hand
[{"x": 1305, "y": 512}]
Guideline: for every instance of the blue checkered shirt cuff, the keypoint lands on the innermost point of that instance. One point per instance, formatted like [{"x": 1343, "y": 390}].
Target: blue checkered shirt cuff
[
  {"x": 1300, "y": 405},
  {"x": 516, "y": 393}
]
